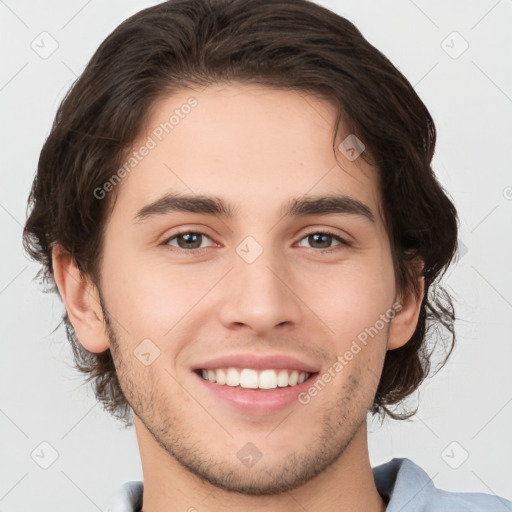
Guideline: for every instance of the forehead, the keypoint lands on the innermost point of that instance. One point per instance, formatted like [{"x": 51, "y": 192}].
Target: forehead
[{"x": 255, "y": 146}]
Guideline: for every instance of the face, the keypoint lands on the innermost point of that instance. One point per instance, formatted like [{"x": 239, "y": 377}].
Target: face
[{"x": 265, "y": 295}]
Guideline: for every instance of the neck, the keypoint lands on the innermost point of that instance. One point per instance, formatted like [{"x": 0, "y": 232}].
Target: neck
[{"x": 346, "y": 485}]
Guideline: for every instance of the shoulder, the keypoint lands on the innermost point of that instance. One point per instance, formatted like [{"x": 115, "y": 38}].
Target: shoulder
[
  {"x": 128, "y": 498},
  {"x": 408, "y": 488}
]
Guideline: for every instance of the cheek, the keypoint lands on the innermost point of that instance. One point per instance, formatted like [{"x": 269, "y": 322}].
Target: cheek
[
  {"x": 352, "y": 296},
  {"x": 149, "y": 300}
]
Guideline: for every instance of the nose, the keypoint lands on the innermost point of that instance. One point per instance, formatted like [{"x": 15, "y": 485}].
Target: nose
[{"x": 260, "y": 295}]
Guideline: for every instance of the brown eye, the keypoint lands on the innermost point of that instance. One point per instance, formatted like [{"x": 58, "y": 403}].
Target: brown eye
[
  {"x": 187, "y": 240},
  {"x": 324, "y": 240}
]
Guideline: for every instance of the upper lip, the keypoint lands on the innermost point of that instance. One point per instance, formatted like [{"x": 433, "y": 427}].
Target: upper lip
[{"x": 276, "y": 361}]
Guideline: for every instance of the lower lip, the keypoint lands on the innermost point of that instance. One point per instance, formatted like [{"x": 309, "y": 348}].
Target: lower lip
[{"x": 256, "y": 401}]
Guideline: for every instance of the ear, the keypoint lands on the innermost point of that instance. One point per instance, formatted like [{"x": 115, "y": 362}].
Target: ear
[
  {"x": 404, "y": 323},
  {"x": 82, "y": 302}
]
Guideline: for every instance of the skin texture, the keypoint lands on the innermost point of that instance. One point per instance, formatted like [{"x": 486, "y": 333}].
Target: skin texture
[{"x": 256, "y": 147}]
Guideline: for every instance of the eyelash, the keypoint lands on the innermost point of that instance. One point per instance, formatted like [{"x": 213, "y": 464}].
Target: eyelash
[{"x": 343, "y": 242}]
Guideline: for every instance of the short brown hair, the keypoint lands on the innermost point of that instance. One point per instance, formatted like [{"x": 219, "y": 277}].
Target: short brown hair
[{"x": 291, "y": 44}]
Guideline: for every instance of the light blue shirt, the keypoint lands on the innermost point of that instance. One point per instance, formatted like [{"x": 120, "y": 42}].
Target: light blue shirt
[{"x": 406, "y": 486}]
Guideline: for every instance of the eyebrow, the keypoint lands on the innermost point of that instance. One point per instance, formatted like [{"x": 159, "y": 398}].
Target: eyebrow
[{"x": 295, "y": 207}]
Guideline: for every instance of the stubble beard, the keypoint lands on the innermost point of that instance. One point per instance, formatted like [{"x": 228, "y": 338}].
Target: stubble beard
[{"x": 336, "y": 426}]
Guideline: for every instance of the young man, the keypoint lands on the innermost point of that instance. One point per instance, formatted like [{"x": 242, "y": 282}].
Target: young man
[{"x": 237, "y": 205}]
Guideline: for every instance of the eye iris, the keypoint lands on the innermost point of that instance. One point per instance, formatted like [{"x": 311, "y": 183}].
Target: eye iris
[
  {"x": 193, "y": 240},
  {"x": 316, "y": 236},
  {"x": 188, "y": 240}
]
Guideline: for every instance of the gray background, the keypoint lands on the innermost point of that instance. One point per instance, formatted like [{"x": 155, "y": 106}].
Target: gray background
[{"x": 466, "y": 409}]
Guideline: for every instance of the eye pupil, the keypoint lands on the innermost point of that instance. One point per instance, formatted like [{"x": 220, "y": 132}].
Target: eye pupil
[
  {"x": 193, "y": 240},
  {"x": 188, "y": 240},
  {"x": 316, "y": 237}
]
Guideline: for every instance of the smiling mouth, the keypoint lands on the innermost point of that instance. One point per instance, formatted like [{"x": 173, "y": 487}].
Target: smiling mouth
[{"x": 249, "y": 378}]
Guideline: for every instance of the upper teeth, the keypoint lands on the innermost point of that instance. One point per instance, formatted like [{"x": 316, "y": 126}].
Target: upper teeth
[{"x": 253, "y": 379}]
